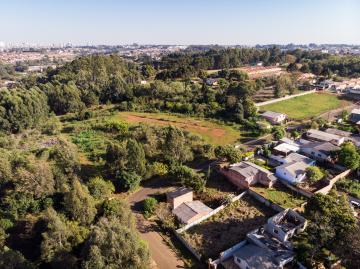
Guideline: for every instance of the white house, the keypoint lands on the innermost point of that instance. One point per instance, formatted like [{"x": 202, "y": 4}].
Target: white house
[
  {"x": 274, "y": 117},
  {"x": 293, "y": 169}
]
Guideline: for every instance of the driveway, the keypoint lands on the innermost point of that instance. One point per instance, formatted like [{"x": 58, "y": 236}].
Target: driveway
[{"x": 162, "y": 255}]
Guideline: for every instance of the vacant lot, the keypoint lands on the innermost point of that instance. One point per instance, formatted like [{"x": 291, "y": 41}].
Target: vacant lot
[
  {"x": 212, "y": 132},
  {"x": 307, "y": 106},
  {"x": 280, "y": 195},
  {"x": 228, "y": 227}
]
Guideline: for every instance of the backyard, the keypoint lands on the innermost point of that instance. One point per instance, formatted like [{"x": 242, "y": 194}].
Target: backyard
[
  {"x": 280, "y": 195},
  {"x": 211, "y": 132},
  {"x": 307, "y": 106},
  {"x": 228, "y": 227}
]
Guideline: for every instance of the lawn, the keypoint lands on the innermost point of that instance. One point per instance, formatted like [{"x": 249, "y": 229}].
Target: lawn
[
  {"x": 228, "y": 227},
  {"x": 280, "y": 195},
  {"x": 211, "y": 132},
  {"x": 350, "y": 186},
  {"x": 307, "y": 106}
]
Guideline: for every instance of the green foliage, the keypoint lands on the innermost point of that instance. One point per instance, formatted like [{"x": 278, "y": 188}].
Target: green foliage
[
  {"x": 159, "y": 169},
  {"x": 100, "y": 188},
  {"x": 79, "y": 204},
  {"x": 128, "y": 180},
  {"x": 278, "y": 132},
  {"x": 229, "y": 153},
  {"x": 113, "y": 245},
  {"x": 331, "y": 220},
  {"x": 149, "y": 206},
  {"x": 350, "y": 186},
  {"x": 349, "y": 156},
  {"x": 136, "y": 161},
  {"x": 51, "y": 126},
  {"x": 21, "y": 109},
  {"x": 175, "y": 146},
  {"x": 314, "y": 174},
  {"x": 188, "y": 177}
]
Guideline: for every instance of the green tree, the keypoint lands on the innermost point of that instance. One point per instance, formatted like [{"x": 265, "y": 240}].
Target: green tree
[
  {"x": 314, "y": 174},
  {"x": 79, "y": 204},
  {"x": 149, "y": 206},
  {"x": 349, "y": 156},
  {"x": 135, "y": 157},
  {"x": 128, "y": 180},
  {"x": 175, "y": 145},
  {"x": 229, "y": 153},
  {"x": 188, "y": 177},
  {"x": 100, "y": 188},
  {"x": 278, "y": 132},
  {"x": 114, "y": 246}
]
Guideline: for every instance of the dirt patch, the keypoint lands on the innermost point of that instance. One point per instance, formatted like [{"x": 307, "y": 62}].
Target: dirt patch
[{"x": 228, "y": 227}]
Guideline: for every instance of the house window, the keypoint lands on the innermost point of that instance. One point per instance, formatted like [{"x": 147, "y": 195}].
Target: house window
[
  {"x": 319, "y": 155},
  {"x": 313, "y": 153},
  {"x": 276, "y": 231}
]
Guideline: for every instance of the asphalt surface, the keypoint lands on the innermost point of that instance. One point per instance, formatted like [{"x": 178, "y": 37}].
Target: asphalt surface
[{"x": 162, "y": 255}]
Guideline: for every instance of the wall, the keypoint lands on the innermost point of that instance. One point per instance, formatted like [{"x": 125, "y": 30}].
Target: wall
[
  {"x": 332, "y": 182},
  {"x": 187, "y": 197},
  {"x": 187, "y": 245},
  {"x": 297, "y": 190}
]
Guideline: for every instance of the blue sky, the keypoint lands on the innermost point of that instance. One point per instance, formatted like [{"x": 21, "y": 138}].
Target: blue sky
[{"x": 180, "y": 21}]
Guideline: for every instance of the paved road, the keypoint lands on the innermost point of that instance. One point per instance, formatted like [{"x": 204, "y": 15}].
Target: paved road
[{"x": 163, "y": 256}]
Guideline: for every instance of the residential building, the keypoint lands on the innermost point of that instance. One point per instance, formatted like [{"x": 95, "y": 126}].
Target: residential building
[
  {"x": 293, "y": 169},
  {"x": 274, "y": 117},
  {"x": 317, "y": 135},
  {"x": 189, "y": 212},
  {"x": 269, "y": 246},
  {"x": 348, "y": 136},
  {"x": 179, "y": 196},
  {"x": 355, "y": 115},
  {"x": 246, "y": 174},
  {"x": 320, "y": 151},
  {"x": 285, "y": 149}
]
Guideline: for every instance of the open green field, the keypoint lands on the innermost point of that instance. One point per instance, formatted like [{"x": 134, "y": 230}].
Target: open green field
[
  {"x": 214, "y": 133},
  {"x": 280, "y": 195},
  {"x": 307, "y": 106}
]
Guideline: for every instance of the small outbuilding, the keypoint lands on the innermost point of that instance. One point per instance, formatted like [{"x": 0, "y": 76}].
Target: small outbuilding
[
  {"x": 179, "y": 196},
  {"x": 189, "y": 212},
  {"x": 274, "y": 117}
]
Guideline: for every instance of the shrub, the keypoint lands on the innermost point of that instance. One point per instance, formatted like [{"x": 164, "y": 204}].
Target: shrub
[{"x": 149, "y": 206}]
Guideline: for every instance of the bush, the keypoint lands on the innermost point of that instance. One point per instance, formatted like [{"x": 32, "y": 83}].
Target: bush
[
  {"x": 100, "y": 188},
  {"x": 149, "y": 206}
]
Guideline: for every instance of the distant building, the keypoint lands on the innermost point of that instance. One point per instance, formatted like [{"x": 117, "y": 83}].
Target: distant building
[
  {"x": 274, "y": 117},
  {"x": 317, "y": 135},
  {"x": 285, "y": 149},
  {"x": 211, "y": 81},
  {"x": 355, "y": 115},
  {"x": 246, "y": 174}
]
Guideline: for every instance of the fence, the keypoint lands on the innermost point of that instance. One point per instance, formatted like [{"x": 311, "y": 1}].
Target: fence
[
  {"x": 332, "y": 182},
  {"x": 187, "y": 245}
]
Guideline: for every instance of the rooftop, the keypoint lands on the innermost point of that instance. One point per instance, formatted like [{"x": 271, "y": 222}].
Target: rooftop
[
  {"x": 186, "y": 211},
  {"x": 320, "y": 135},
  {"x": 338, "y": 132},
  {"x": 296, "y": 157},
  {"x": 271, "y": 114},
  {"x": 178, "y": 192},
  {"x": 324, "y": 147}
]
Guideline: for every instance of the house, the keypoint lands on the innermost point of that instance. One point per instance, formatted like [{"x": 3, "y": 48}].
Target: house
[
  {"x": 189, "y": 212},
  {"x": 274, "y": 117},
  {"x": 246, "y": 174},
  {"x": 285, "y": 149},
  {"x": 179, "y": 196},
  {"x": 320, "y": 151},
  {"x": 211, "y": 81},
  {"x": 293, "y": 169},
  {"x": 317, "y": 135},
  {"x": 355, "y": 115},
  {"x": 269, "y": 246},
  {"x": 348, "y": 136}
]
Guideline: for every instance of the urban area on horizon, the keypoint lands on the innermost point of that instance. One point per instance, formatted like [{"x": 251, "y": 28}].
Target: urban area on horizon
[{"x": 166, "y": 155}]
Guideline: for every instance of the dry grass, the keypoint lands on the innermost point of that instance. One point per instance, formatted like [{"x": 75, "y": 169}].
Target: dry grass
[{"x": 228, "y": 227}]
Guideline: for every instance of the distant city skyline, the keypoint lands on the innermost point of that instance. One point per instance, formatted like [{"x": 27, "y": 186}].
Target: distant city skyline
[{"x": 185, "y": 22}]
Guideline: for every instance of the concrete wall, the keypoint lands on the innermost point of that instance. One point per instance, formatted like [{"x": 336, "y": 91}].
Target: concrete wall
[
  {"x": 187, "y": 245},
  {"x": 332, "y": 182},
  {"x": 227, "y": 254},
  {"x": 187, "y": 197}
]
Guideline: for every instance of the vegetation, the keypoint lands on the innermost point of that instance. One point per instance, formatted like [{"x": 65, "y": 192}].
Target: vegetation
[
  {"x": 331, "y": 225},
  {"x": 306, "y": 106},
  {"x": 149, "y": 206},
  {"x": 314, "y": 174},
  {"x": 350, "y": 186},
  {"x": 349, "y": 156}
]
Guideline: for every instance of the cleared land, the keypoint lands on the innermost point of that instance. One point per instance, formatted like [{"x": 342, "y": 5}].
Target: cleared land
[
  {"x": 307, "y": 106},
  {"x": 228, "y": 227},
  {"x": 280, "y": 195},
  {"x": 212, "y": 132}
]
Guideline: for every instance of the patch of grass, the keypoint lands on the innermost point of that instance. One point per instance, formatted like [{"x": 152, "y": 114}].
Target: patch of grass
[
  {"x": 352, "y": 187},
  {"x": 211, "y": 132},
  {"x": 280, "y": 195},
  {"x": 91, "y": 142},
  {"x": 307, "y": 106}
]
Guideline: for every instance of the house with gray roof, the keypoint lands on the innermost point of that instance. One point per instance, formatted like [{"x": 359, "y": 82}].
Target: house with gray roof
[
  {"x": 293, "y": 169},
  {"x": 246, "y": 174},
  {"x": 274, "y": 117},
  {"x": 320, "y": 151},
  {"x": 189, "y": 212},
  {"x": 320, "y": 136}
]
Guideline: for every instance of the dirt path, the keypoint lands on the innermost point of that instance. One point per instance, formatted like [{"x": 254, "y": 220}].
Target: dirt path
[{"x": 163, "y": 256}]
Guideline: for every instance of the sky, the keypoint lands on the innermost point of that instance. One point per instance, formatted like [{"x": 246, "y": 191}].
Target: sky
[{"x": 224, "y": 22}]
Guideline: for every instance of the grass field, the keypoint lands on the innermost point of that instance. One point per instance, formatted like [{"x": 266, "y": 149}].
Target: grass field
[
  {"x": 307, "y": 106},
  {"x": 280, "y": 195},
  {"x": 212, "y": 132}
]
